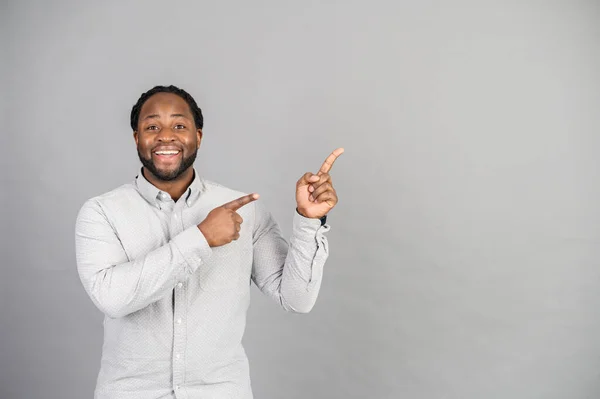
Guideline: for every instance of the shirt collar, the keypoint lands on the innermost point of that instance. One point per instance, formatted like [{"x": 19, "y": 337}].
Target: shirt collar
[{"x": 153, "y": 195}]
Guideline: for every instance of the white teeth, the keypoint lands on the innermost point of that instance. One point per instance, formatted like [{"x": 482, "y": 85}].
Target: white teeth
[{"x": 167, "y": 152}]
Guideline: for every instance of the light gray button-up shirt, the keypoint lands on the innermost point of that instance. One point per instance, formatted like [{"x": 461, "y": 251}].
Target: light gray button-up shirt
[{"x": 175, "y": 308}]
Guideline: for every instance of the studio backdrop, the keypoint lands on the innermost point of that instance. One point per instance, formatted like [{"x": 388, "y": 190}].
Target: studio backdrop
[{"x": 465, "y": 248}]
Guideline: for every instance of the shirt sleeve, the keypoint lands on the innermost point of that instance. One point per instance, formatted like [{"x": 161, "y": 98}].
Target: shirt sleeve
[
  {"x": 118, "y": 285},
  {"x": 290, "y": 274}
]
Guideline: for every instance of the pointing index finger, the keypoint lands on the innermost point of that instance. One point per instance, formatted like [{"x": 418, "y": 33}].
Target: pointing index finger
[
  {"x": 326, "y": 167},
  {"x": 240, "y": 202}
]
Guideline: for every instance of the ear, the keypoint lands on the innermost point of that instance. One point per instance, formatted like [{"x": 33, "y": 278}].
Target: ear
[
  {"x": 135, "y": 137},
  {"x": 199, "y": 136}
]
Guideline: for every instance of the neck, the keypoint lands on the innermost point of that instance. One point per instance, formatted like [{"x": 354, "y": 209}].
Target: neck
[{"x": 176, "y": 187}]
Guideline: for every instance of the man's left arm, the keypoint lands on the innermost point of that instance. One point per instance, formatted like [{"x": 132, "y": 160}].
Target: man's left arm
[
  {"x": 289, "y": 273},
  {"x": 292, "y": 273}
]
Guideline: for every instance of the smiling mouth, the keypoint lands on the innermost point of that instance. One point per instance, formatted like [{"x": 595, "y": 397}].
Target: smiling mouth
[
  {"x": 167, "y": 152},
  {"x": 166, "y": 155}
]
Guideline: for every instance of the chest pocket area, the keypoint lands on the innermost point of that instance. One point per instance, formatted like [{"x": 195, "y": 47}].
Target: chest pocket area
[
  {"x": 226, "y": 268},
  {"x": 229, "y": 267}
]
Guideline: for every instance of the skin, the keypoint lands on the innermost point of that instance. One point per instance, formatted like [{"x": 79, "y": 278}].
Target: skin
[
  {"x": 315, "y": 195},
  {"x": 166, "y": 122}
]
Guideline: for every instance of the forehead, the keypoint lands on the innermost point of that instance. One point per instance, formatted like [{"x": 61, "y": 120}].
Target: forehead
[{"x": 165, "y": 103}]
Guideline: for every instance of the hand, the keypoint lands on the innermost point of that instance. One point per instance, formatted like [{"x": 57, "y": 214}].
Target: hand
[
  {"x": 315, "y": 195},
  {"x": 223, "y": 224}
]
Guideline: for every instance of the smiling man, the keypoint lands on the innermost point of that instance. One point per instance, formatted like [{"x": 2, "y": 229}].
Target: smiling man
[{"x": 169, "y": 259}]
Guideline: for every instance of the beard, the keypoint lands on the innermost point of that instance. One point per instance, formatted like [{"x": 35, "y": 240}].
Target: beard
[{"x": 168, "y": 175}]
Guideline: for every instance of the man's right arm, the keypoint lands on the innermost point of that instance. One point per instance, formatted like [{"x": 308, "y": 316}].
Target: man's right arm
[{"x": 119, "y": 286}]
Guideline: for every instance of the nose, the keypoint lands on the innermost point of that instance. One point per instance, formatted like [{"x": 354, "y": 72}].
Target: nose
[{"x": 166, "y": 134}]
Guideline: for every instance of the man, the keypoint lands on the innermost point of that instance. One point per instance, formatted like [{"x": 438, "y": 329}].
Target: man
[{"x": 169, "y": 259}]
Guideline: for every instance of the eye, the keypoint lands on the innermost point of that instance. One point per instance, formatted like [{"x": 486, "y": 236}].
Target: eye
[
  {"x": 152, "y": 127},
  {"x": 179, "y": 126}
]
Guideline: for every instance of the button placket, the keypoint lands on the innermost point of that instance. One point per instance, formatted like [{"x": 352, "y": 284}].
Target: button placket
[
  {"x": 176, "y": 222},
  {"x": 179, "y": 314},
  {"x": 179, "y": 339}
]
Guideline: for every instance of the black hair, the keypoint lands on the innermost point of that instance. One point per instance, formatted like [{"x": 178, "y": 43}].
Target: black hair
[{"x": 196, "y": 111}]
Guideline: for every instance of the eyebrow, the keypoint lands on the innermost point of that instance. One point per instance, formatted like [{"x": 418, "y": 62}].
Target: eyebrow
[{"x": 156, "y": 116}]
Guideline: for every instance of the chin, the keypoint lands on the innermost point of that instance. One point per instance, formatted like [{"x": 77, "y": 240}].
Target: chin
[{"x": 168, "y": 175}]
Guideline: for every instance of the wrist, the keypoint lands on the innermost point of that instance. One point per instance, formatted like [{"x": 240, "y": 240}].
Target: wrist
[
  {"x": 205, "y": 234},
  {"x": 301, "y": 213}
]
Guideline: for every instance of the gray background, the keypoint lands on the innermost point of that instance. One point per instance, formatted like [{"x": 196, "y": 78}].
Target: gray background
[{"x": 465, "y": 248}]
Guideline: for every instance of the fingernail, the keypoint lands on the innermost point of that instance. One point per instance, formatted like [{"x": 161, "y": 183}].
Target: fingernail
[{"x": 310, "y": 197}]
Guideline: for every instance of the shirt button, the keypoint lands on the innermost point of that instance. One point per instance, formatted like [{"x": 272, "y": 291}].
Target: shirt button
[
  {"x": 178, "y": 321},
  {"x": 179, "y": 285},
  {"x": 177, "y": 356},
  {"x": 178, "y": 387}
]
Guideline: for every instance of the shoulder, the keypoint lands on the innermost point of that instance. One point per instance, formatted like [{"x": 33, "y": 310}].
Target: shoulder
[{"x": 117, "y": 197}]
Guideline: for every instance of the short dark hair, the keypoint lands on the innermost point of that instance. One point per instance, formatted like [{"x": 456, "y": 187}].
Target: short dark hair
[{"x": 196, "y": 111}]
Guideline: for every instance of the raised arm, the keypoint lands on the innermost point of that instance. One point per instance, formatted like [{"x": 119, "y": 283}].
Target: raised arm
[{"x": 291, "y": 273}]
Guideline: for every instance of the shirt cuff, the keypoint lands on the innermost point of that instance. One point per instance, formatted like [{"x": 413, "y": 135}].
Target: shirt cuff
[
  {"x": 323, "y": 219},
  {"x": 193, "y": 246},
  {"x": 309, "y": 237},
  {"x": 307, "y": 228}
]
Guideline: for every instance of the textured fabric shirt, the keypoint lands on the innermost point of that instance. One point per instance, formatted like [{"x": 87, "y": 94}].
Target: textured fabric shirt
[{"x": 175, "y": 308}]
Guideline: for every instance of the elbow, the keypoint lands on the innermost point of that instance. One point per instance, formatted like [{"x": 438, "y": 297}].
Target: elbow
[
  {"x": 298, "y": 307},
  {"x": 295, "y": 301},
  {"x": 108, "y": 301},
  {"x": 304, "y": 310},
  {"x": 111, "y": 310},
  {"x": 109, "y": 306},
  {"x": 115, "y": 313}
]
